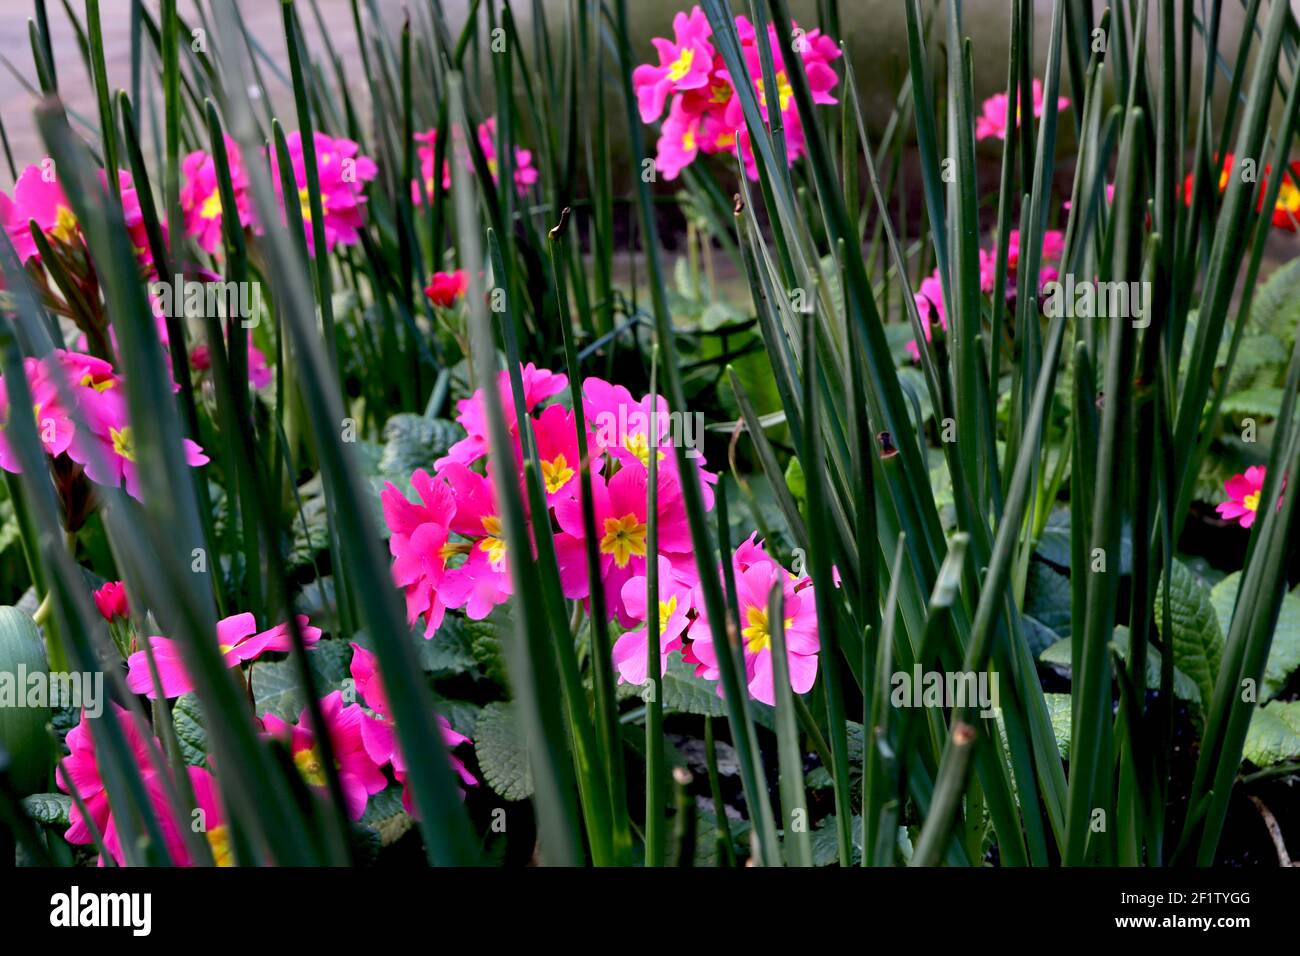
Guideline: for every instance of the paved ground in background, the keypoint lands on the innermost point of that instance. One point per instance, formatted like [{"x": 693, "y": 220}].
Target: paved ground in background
[{"x": 263, "y": 18}]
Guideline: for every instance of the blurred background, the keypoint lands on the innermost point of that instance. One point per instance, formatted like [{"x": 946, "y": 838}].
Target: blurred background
[{"x": 873, "y": 32}]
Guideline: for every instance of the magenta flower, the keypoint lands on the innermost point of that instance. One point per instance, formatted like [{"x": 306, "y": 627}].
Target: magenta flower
[
  {"x": 378, "y": 734},
  {"x": 207, "y": 797},
  {"x": 105, "y": 446},
  {"x": 705, "y": 115},
  {"x": 1243, "y": 491},
  {"x": 525, "y": 174},
  {"x": 212, "y": 821},
  {"x": 929, "y": 303},
  {"x": 685, "y": 63},
  {"x": 539, "y": 384},
  {"x": 556, "y": 432},
  {"x": 993, "y": 121},
  {"x": 54, "y": 425},
  {"x": 237, "y": 640},
  {"x": 419, "y": 545},
  {"x": 756, "y": 575},
  {"x": 343, "y": 175},
  {"x": 38, "y": 196},
  {"x": 625, "y": 429},
  {"x": 676, "y": 598},
  {"x": 108, "y": 451},
  {"x": 359, "y": 775},
  {"x": 200, "y": 195},
  {"x": 260, "y": 374},
  {"x": 80, "y": 769},
  {"x": 620, "y": 505},
  {"x": 483, "y": 581},
  {"x": 426, "y": 152},
  {"x": 679, "y": 140},
  {"x": 1053, "y": 249}
]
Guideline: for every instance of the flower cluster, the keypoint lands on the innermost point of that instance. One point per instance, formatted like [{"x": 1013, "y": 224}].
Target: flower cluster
[
  {"x": 929, "y": 297},
  {"x": 362, "y": 741},
  {"x": 79, "y": 773},
  {"x": 1286, "y": 210},
  {"x": 993, "y": 121},
  {"x": 704, "y": 113},
  {"x": 95, "y": 432},
  {"x": 340, "y": 168},
  {"x": 525, "y": 173},
  {"x": 378, "y": 736},
  {"x": 450, "y": 550},
  {"x": 238, "y": 640},
  {"x": 38, "y": 197}
]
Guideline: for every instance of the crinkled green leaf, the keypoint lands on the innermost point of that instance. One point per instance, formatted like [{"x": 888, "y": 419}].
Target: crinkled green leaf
[
  {"x": 683, "y": 691},
  {"x": 1058, "y": 655},
  {"x": 48, "y": 809},
  {"x": 1260, "y": 400},
  {"x": 412, "y": 441},
  {"x": 503, "y": 752},
  {"x": 1197, "y": 640},
  {"x": 1058, "y": 712},
  {"x": 1047, "y": 597},
  {"x": 187, "y": 716},
  {"x": 1284, "y": 654},
  {"x": 386, "y": 815},
  {"x": 449, "y": 650},
  {"x": 825, "y": 842},
  {"x": 1276, "y": 304},
  {"x": 1274, "y": 734},
  {"x": 485, "y": 646}
]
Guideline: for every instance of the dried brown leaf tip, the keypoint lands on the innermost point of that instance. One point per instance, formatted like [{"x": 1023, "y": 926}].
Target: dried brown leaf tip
[
  {"x": 737, "y": 204},
  {"x": 558, "y": 229},
  {"x": 963, "y": 734},
  {"x": 887, "y": 447}
]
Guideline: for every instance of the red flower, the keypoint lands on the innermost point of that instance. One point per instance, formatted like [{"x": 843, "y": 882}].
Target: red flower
[
  {"x": 446, "y": 287},
  {"x": 111, "y": 601}
]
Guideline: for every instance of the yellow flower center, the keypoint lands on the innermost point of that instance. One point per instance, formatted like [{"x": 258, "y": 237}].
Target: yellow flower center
[
  {"x": 784, "y": 92},
  {"x": 666, "y": 610},
  {"x": 721, "y": 93},
  {"x": 756, "y": 634},
  {"x": 102, "y": 385},
  {"x": 304, "y": 200},
  {"x": 639, "y": 446},
  {"x": 211, "y": 208},
  {"x": 624, "y": 537},
  {"x": 494, "y": 545},
  {"x": 1251, "y": 501},
  {"x": 688, "y": 140},
  {"x": 219, "y": 840},
  {"x": 123, "y": 443},
  {"x": 1288, "y": 197},
  {"x": 556, "y": 473},
  {"x": 65, "y": 225},
  {"x": 453, "y": 548},
  {"x": 725, "y": 140},
  {"x": 682, "y": 65},
  {"x": 308, "y": 763}
]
